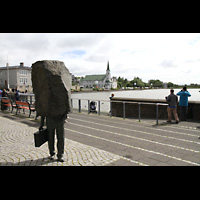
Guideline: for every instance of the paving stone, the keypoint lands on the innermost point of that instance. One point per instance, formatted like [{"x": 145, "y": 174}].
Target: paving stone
[{"x": 17, "y": 149}]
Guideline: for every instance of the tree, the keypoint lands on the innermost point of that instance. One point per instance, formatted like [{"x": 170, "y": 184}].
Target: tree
[
  {"x": 170, "y": 85},
  {"x": 156, "y": 83},
  {"x": 137, "y": 82}
]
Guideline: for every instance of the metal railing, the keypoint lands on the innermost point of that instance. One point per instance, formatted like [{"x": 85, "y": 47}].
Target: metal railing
[
  {"x": 124, "y": 107},
  {"x": 31, "y": 99}
]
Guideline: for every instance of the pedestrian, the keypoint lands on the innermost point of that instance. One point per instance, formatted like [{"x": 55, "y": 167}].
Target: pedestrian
[
  {"x": 4, "y": 93},
  {"x": 17, "y": 97},
  {"x": 112, "y": 95},
  {"x": 183, "y": 103},
  {"x": 172, "y": 100}
]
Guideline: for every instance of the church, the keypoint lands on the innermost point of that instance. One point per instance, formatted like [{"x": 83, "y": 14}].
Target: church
[{"x": 101, "y": 81}]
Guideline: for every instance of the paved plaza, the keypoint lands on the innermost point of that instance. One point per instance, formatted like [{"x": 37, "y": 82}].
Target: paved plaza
[{"x": 92, "y": 140}]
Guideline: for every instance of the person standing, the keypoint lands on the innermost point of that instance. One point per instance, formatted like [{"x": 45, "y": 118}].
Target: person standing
[
  {"x": 17, "y": 97},
  {"x": 52, "y": 89},
  {"x": 172, "y": 99},
  {"x": 55, "y": 125},
  {"x": 4, "y": 93},
  {"x": 183, "y": 103}
]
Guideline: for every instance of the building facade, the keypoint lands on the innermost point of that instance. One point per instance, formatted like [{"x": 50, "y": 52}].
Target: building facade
[
  {"x": 18, "y": 77},
  {"x": 99, "y": 81}
]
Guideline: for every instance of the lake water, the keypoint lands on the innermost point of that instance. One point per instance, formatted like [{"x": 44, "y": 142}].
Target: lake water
[{"x": 147, "y": 94}]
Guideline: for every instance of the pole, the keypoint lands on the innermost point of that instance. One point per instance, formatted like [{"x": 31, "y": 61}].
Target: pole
[
  {"x": 79, "y": 105},
  {"x": 88, "y": 106},
  {"x": 139, "y": 112},
  {"x": 157, "y": 113},
  {"x": 99, "y": 107},
  {"x": 7, "y": 65},
  {"x": 124, "y": 112}
]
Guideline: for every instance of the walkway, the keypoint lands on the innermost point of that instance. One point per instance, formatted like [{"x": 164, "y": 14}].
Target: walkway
[{"x": 93, "y": 140}]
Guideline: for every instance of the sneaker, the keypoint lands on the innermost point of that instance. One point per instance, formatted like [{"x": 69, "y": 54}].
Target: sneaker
[{"x": 177, "y": 122}]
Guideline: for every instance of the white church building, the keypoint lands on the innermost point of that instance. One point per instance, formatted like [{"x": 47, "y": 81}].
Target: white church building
[{"x": 103, "y": 81}]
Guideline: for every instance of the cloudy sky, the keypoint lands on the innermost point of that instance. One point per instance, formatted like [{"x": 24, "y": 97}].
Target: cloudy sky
[{"x": 170, "y": 57}]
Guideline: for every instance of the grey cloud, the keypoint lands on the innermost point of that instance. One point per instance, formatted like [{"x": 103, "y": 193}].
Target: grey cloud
[
  {"x": 191, "y": 61},
  {"x": 168, "y": 64},
  {"x": 80, "y": 40},
  {"x": 96, "y": 58}
]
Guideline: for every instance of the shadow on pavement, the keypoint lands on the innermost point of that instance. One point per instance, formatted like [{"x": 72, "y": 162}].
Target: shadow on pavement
[
  {"x": 21, "y": 119},
  {"x": 37, "y": 162}
]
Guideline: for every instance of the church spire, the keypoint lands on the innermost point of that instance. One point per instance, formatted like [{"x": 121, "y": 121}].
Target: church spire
[{"x": 108, "y": 66}]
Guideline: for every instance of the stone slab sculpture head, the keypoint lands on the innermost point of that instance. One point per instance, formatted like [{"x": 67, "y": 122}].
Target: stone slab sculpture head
[{"x": 51, "y": 83}]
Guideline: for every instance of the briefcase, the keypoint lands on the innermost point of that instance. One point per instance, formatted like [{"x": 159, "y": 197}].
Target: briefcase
[{"x": 40, "y": 137}]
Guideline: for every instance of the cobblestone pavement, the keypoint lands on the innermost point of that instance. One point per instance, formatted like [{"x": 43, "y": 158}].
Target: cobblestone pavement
[
  {"x": 92, "y": 140},
  {"x": 17, "y": 149}
]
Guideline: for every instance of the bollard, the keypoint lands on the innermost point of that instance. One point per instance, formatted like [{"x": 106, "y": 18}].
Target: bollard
[
  {"x": 124, "y": 112},
  {"x": 139, "y": 111},
  {"x": 99, "y": 107},
  {"x": 110, "y": 109},
  {"x": 88, "y": 106},
  {"x": 79, "y": 106},
  {"x": 157, "y": 113}
]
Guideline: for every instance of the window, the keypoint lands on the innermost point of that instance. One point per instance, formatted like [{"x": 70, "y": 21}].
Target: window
[
  {"x": 23, "y": 80},
  {"x": 23, "y": 72}
]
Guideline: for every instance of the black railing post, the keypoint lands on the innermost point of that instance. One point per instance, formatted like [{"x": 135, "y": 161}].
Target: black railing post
[
  {"x": 157, "y": 113},
  {"x": 124, "y": 112},
  {"x": 99, "y": 107},
  {"x": 79, "y": 105},
  {"x": 139, "y": 112}
]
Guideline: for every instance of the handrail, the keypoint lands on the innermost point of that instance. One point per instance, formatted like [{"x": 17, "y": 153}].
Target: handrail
[{"x": 123, "y": 102}]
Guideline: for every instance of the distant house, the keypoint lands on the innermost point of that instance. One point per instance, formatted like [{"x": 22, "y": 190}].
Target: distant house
[
  {"x": 99, "y": 81},
  {"x": 18, "y": 77}
]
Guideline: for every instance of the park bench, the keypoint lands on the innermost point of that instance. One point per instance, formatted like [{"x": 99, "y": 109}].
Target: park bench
[
  {"x": 8, "y": 103},
  {"x": 24, "y": 105}
]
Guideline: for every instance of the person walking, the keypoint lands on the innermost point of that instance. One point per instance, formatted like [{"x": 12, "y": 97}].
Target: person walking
[
  {"x": 172, "y": 100},
  {"x": 183, "y": 103}
]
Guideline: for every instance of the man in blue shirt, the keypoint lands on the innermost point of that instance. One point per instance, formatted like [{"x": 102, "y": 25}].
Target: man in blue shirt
[{"x": 183, "y": 103}]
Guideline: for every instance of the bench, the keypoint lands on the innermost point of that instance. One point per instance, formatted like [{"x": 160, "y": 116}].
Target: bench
[
  {"x": 8, "y": 103},
  {"x": 24, "y": 105}
]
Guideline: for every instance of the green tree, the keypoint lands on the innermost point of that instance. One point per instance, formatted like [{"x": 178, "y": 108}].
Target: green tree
[
  {"x": 170, "y": 85},
  {"x": 137, "y": 82},
  {"x": 156, "y": 83}
]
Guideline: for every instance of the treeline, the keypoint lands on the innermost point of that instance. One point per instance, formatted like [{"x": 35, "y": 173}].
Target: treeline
[{"x": 137, "y": 82}]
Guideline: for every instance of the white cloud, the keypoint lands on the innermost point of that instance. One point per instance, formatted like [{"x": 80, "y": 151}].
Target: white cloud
[{"x": 166, "y": 56}]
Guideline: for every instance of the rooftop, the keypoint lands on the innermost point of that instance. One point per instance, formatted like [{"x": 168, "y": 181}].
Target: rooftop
[
  {"x": 99, "y": 77},
  {"x": 21, "y": 66}
]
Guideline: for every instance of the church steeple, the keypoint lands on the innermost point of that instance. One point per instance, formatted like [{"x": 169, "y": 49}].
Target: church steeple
[
  {"x": 108, "y": 68},
  {"x": 108, "y": 83}
]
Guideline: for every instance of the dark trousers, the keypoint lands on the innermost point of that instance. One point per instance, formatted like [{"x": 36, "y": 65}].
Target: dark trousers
[
  {"x": 183, "y": 113},
  {"x": 58, "y": 127}
]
